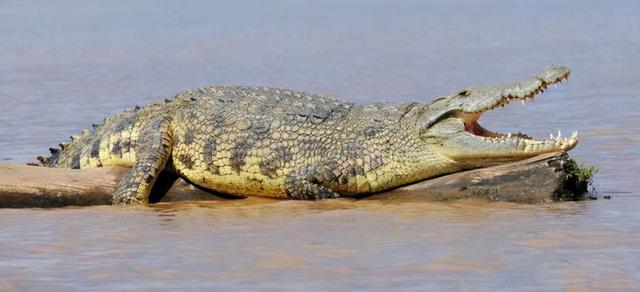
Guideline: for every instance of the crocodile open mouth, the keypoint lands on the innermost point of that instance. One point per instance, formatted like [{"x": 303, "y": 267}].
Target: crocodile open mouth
[{"x": 524, "y": 92}]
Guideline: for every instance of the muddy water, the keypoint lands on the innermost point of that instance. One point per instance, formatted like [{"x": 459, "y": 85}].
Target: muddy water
[{"x": 66, "y": 65}]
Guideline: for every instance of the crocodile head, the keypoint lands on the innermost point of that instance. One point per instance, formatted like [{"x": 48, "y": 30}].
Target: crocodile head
[{"x": 450, "y": 125}]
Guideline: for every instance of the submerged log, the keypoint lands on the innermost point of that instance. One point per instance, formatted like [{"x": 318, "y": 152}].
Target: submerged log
[{"x": 539, "y": 179}]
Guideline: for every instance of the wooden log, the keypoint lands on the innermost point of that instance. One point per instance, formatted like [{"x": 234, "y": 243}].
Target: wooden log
[
  {"x": 25, "y": 186},
  {"x": 538, "y": 179},
  {"x": 32, "y": 186}
]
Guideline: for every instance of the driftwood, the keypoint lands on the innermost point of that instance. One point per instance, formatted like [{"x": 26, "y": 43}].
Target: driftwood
[{"x": 538, "y": 179}]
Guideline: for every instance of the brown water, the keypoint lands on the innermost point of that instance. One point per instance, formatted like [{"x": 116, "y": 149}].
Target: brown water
[{"x": 66, "y": 65}]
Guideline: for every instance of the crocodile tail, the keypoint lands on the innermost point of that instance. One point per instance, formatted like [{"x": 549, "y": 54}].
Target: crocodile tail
[
  {"x": 58, "y": 157},
  {"x": 50, "y": 160},
  {"x": 84, "y": 148}
]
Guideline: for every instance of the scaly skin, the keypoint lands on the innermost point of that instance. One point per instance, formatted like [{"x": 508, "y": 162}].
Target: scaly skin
[{"x": 246, "y": 141}]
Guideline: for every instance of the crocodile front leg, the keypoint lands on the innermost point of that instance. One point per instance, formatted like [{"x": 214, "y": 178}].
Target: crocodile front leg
[{"x": 152, "y": 149}]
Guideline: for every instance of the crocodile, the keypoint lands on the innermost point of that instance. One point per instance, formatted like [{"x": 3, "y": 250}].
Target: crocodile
[{"x": 256, "y": 141}]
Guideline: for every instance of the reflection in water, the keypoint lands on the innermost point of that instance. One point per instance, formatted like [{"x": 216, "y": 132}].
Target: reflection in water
[{"x": 69, "y": 64}]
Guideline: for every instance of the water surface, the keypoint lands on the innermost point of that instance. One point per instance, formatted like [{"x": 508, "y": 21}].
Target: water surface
[{"x": 67, "y": 64}]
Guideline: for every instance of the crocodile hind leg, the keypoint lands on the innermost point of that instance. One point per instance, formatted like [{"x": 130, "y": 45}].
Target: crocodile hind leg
[{"x": 152, "y": 149}]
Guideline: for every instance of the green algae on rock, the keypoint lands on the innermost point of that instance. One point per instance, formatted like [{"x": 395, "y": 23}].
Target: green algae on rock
[{"x": 577, "y": 179}]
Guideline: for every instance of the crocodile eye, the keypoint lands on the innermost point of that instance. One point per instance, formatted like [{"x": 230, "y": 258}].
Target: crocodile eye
[{"x": 464, "y": 93}]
